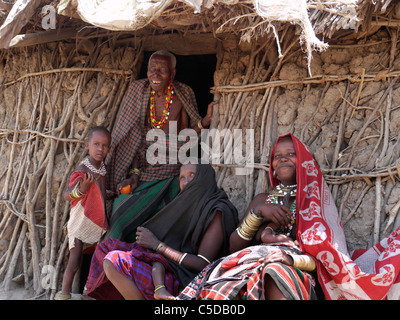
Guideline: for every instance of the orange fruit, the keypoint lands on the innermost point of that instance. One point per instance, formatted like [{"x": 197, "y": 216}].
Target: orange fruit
[{"x": 126, "y": 189}]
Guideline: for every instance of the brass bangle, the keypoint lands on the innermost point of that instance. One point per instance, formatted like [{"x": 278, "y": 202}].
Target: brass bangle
[
  {"x": 303, "y": 262},
  {"x": 182, "y": 257},
  {"x": 204, "y": 258},
  {"x": 135, "y": 171},
  {"x": 170, "y": 253},
  {"x": 249, "y": 226},
  {"x": 200, "y": 125},
  {"x": 244, "y": 235},
  {"x": 254, "y": 218}
]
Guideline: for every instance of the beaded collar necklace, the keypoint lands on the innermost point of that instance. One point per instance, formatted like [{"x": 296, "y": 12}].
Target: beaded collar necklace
[
  {"x": 280, "y": 190},
  {"x": 167, "y": 108},
  {"x": 101, "y": 171}
]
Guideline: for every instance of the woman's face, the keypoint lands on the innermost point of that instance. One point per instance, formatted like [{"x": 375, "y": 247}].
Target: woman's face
[
  {"x": 284, "y": 161},
  {"x": 186, "y": 175}
]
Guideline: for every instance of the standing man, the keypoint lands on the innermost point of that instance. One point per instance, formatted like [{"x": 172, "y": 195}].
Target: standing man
[{"x": 151, "y": 103}]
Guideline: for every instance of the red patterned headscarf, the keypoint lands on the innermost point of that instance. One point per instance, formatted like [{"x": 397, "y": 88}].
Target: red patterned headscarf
[{"x": 372, "y": 275}]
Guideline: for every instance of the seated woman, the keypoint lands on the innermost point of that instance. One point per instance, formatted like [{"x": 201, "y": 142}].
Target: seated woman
[
  {"x": 184, "y": 236},
  {"x": 282, "y": 270}
]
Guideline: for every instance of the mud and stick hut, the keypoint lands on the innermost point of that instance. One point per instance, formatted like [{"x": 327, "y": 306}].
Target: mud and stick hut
[{"x": 326, "y": 71}]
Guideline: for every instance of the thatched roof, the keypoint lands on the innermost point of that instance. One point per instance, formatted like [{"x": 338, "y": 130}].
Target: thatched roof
[{"x": 22, "y": 20}]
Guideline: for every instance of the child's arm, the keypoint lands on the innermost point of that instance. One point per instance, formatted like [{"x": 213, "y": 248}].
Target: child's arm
[
  {"x": 268, "y": 235},
  {"x": 80, "y": 188}
]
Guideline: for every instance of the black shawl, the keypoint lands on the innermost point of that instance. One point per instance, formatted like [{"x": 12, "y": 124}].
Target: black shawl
[{"x": 182, "y": 223}]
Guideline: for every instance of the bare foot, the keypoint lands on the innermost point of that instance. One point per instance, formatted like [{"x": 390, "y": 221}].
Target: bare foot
[{"x": 163, "y": 294}]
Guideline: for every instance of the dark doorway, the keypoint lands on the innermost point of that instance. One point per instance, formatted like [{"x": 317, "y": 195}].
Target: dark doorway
[{"x": 197, "y": 71}]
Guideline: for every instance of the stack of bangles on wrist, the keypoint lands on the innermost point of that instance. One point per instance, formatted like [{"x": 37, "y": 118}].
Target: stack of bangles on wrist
[
  {"x": 135, "y": 171},
  {"x": 170, "y": 253},
  {"x": 249, "y": 226},
  {"x": 76, "y": 193},
  {"x": 175, "y": 255}
]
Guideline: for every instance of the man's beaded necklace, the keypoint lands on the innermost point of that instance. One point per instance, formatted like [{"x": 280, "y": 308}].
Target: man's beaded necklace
[{"x": 167, "y": 108}]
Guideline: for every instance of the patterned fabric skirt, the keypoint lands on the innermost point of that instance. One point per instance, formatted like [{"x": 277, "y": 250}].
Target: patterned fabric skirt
[
  {"x": 241, "y": 275},
  {"x": 132, "y": 261}
]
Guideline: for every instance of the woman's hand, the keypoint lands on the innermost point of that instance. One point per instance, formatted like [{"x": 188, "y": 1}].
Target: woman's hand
[
  {"x": 146, "y": 238},
  {"x": 276, "y": 256},
  {"x": 132, "y": 181},
  {"x": 276, "y": 213}
]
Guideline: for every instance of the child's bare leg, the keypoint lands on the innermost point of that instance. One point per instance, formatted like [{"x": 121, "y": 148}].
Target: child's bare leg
[
  {"x": 158, "y": 274},
  {"x": 125, "y": 286},
  {"x": 74, "y": 261}
]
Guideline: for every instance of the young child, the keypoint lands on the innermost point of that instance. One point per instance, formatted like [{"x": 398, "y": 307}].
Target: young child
[
  {"x": 187, "y": 173},
  {"x": 87, "y": 192},
  {"x": 271, "y": 235}
]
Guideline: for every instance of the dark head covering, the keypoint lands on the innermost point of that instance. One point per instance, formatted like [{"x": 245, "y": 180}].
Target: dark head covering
[{"x": 182, "y": 223}]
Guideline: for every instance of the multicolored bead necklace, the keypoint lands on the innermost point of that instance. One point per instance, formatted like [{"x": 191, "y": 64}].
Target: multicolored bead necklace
[
  {"x": 286, "y": 192},
  {"x": 167, "y": 107},
  {"x": 292, "y": 219},
  {"x": 101, "y": 171}
]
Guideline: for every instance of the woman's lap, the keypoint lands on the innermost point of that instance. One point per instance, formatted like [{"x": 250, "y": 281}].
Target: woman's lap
[{"x": 131, "y": 260}]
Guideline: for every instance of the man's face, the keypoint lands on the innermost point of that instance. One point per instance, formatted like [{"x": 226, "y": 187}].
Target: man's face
[{"x": 159, "y": 72}]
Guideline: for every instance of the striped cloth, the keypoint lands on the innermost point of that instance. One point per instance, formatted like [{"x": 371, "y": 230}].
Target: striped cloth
[
  {"x": 124, "y": 255},
  {"x": 241, "y": 273},
  {"x": 132, "y": 210}
]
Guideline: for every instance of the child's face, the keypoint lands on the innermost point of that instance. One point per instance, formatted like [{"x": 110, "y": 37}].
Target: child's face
[{"x": 98, "y": 146}]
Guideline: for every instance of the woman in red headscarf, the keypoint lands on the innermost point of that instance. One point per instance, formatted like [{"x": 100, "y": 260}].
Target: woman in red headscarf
[{"x": 310, "y": 243}]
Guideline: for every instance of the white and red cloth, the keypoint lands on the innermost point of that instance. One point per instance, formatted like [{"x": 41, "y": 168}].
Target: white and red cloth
[
  {"x": 368, "y": 274},
  {"x": 87, "y": 220}
]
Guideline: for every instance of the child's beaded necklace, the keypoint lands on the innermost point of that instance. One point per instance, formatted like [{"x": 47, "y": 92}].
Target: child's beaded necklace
[{"x": 101, "y": 171}]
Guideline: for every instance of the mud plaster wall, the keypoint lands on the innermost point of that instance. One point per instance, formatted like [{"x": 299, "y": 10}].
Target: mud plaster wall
[
  {"x": 44, "y": 121},
  {"x": 318, "y": 114}
]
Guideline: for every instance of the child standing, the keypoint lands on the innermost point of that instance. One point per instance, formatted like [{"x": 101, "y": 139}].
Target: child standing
[{"x": 87, "y": 193}]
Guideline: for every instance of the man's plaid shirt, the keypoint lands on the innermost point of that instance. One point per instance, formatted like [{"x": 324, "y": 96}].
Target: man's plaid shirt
[{"x": 127, "y": 137}]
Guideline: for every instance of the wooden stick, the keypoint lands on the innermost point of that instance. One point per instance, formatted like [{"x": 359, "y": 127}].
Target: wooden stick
[
  {"x": 371, "y": 77},
  {"x": 14, "y": 259},
  {"x": 378, "y": 208}
]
